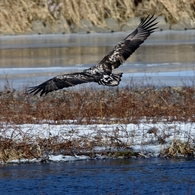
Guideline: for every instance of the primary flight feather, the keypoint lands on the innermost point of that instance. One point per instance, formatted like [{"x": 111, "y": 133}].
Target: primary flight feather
[{"x": 102, "y": 72}]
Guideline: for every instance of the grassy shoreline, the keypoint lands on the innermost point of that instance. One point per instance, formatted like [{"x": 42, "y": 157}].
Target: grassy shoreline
[
  {"x": 64, "y": 16},
  {"x": 88, "y": 107}
]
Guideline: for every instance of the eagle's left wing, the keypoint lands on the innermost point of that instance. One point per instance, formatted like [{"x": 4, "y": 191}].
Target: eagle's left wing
[{"x": 62, "y": 81}]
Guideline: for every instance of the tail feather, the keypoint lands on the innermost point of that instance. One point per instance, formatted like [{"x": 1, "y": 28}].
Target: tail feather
[{"x": 111, "y": 80}]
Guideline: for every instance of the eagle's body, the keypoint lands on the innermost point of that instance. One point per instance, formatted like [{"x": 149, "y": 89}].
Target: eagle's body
[{"x": 102, "y": 72}]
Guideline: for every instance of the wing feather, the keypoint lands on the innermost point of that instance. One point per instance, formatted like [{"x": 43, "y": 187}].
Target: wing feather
[
  {"x": 61, "y": 81},
  {"x": 127, "y": 46}
]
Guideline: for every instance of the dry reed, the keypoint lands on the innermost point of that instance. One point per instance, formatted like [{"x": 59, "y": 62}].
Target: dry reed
[
  {"x": 88, "y": 106},
  {"x": 17, "y": 16},
  {"x": 127, "y": 105}
]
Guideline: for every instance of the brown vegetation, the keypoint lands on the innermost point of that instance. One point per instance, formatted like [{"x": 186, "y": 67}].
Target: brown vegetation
[
  {"x": 17, "y": 16},
  {"x": 178, "y": 148},
  {"x": 88, "y": 106}
]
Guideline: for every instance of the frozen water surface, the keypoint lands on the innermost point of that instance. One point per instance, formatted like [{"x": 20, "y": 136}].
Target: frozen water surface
[{"x": 166, "y": 58}]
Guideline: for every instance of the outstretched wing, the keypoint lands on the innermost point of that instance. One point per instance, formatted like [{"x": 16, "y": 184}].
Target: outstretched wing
[
  {"x": 61, "y": 81},
  {"x": 127, "y": 46},
  {"x": 101, "y": 72}
]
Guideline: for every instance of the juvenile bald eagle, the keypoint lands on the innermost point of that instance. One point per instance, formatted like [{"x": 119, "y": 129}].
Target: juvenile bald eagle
[{"x": 101, "y": 73}]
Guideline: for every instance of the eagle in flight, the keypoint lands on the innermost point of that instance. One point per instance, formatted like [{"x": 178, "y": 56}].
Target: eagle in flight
[{"x": 101, "y": 73}]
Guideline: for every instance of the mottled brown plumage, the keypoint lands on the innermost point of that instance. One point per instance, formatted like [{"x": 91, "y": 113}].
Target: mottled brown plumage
[{"x": 102, "y": 72}]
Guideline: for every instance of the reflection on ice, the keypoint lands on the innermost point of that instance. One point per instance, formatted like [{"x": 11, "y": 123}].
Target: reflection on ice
[
  {"x": 18, "y": 78},
  {"x": 166, "y": 58}
]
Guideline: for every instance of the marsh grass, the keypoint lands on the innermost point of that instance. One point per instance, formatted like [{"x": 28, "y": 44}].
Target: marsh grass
[
  {"x": 17, "y": 16},
  {"x": 88, "y": 106},
  {"x": 178, "y": 148},
  {"x": 92, "y": 106}
]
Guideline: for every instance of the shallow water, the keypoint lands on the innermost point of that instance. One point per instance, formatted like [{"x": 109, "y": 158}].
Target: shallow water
[
  {"x": 87, "y": 49},
  {"x": 29, "y": 60},
  {"x": 132, "y": 176}
]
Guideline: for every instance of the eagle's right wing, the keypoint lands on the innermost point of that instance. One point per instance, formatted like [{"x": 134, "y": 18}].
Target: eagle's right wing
[
  {"x": 127, "y": 46},
  {"x": 62, "y": 81}
]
